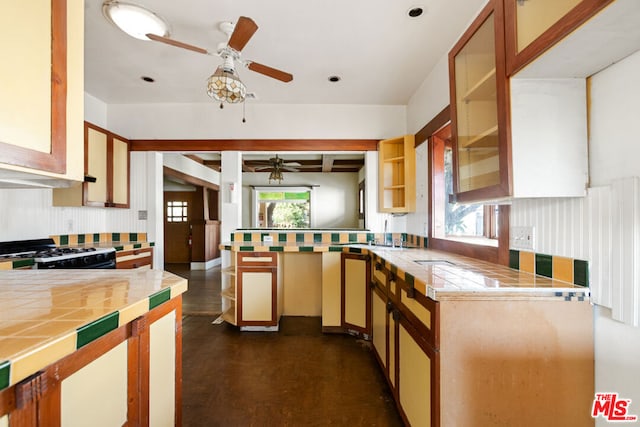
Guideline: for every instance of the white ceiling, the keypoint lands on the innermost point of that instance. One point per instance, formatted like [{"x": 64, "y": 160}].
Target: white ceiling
[{"x": 381, "y": 54}]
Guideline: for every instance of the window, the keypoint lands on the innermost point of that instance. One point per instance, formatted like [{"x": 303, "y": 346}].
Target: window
[
  {"x": 477, "y": 224},
  {"x": 177, "y": 211},
  {"x": 278, "y": 207}
]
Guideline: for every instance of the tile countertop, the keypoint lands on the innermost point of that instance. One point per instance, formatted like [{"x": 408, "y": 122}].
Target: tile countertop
[
  {"x": 47, "y": 314},
  {"x": 450, "y": 277}
]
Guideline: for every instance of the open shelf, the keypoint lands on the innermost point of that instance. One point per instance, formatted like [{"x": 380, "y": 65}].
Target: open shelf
[
  {"x": 229, "y": 293},
  {"x": 231, "y": 270},
  {"x": 229, "y": 315},
  {"x": 484, "y": 90}
]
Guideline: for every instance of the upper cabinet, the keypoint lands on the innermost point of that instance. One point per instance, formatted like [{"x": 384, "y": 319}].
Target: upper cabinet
[
  {"x": 41, "y": 109},
  {"x": 522, "y": 135},
  {"x": 479, "y": 116},
  {"x": 397, "y": 175},
  {"x": 106, "y": 172},
  {"x": 532, "y": 27}
]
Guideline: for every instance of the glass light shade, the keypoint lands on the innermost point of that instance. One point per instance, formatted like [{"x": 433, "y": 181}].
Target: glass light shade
[
  {"x": 135, "y": 20},
  {"x": 276, "y": 175},
  {"x": 225, "y": 86}
]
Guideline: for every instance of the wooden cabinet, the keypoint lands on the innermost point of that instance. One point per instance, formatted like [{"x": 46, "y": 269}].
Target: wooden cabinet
[
  {"x": 532, "y": 27},
  {"x": 252, "y": 294},
  {"x": 397, "y": 175},
  {"x": 355, "y": 294},
  {"x": 42, "y": 95},
  {"x": 137, "y": 367},
  {"x": 521, "y": 137},
  {"x": 479, "y": 110},
  {"x": 107, "y": 165},
  {"x": 135, "y": 258}
]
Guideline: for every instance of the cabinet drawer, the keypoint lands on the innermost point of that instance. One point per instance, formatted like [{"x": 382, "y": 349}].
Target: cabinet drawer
[
  {"x": 135, "y": 258},
  {"x": 257, "y": 259}
]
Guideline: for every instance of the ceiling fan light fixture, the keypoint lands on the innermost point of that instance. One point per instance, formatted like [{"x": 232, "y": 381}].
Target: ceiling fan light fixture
[
  {"x": 276, "y": 175},
  {"x": 225, "y": 86},
  {"x": 135, "y": 20}
]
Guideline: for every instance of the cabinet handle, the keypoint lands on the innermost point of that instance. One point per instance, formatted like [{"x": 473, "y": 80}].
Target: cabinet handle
[
  {"x": 396, "y": 315},
  {"x": 411, "y": 292},
  {"x": 389, "y": 306}
]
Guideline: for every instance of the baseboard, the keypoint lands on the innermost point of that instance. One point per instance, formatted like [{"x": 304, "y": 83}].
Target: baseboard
[{"x": 206, "y": 265}]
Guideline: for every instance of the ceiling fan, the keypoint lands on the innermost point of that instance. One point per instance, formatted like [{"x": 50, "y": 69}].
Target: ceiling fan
[
  {"x": 224, "y": 85},
  {"x": 277, "y": 165}
]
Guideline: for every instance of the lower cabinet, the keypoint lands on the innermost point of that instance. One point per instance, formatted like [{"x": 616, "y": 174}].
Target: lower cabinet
[
  {"x": 355, "y": 293},
  {"x": 131, "y": 376},
  {"x": 252, "y": 294},
  {"x": 135, "y": 258}
]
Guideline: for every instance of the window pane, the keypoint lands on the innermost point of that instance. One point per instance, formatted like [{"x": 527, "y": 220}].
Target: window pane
[{"x": 460, "y": 220}]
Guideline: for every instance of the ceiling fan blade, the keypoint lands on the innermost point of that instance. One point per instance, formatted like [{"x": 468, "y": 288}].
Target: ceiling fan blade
[
  {"x": 245, "y": 28},
  {"x": 177, "y": 43},
  {"x": 270, "y": 72}
]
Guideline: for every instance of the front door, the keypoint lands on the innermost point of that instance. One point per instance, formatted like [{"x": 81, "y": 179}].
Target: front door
[{"x": 177, "y": 226}]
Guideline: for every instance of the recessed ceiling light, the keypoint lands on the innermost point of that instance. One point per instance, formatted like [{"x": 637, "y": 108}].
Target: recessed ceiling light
[
  {"x": 148, "y": 79},
  {"x": 134, "y": 20},
  {"x": 334, "y": 79},
  {"x": 414, "y": 12}
]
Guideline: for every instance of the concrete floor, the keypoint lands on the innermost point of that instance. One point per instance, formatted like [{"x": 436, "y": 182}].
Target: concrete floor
[{"x": 295, "y": 377}]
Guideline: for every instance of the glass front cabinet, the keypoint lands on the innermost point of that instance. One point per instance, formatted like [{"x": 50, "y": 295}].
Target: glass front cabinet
[{"x": 479, "y": 113}]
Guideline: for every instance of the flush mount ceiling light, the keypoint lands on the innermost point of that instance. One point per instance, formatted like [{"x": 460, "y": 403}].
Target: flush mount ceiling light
[{"x": 134, "y": 20}]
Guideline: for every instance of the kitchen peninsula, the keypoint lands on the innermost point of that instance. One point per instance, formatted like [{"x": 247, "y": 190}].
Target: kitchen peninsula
[
  {"x": 446, "y": 329},
  {"x": 70, "y": 338}
]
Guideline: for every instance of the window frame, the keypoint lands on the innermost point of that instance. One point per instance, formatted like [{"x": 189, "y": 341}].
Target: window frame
[
  {"x": 499, "y": 254},
  {"x": 276, "y": 188}
]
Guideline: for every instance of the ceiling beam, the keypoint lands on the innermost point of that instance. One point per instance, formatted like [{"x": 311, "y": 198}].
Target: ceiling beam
[
  {"x": 269, "y": 145},
  {"x": 327, "y": 162}
]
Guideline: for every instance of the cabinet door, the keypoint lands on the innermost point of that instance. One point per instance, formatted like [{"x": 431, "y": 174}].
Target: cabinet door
[
  {"x": 479, "y": 109},
  {"x": 96, "y": 166},
  {"x": 379, "y": 327},
  {"x": 417, "y": 377},
  {"x": 356, "y": 295},
  {"x": 256, "y": 290},
  {"x": 120, "y": 171},
  {"x": 531, "y": 27}
]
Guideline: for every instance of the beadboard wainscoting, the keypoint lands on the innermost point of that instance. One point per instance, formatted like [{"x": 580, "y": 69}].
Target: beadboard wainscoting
[{"x": 603, "y": 228}]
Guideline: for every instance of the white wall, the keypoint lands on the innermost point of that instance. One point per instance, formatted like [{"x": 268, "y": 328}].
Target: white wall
[
  {"x": 563, "y": 224},
  {"x": 208, "y": 121},
  {"x": 335, "y": 199}
]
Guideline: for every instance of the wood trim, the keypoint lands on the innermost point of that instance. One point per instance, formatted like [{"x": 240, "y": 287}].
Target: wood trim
[
  {"x": 189, "y": 179},
  {"x": 270, "y": 145},
  {"x": 7, "y": 401},
  {"x": 247, "y": 264},
  {"x": 56, "y": 160},
  {"x": 178, "y": 380},
  {"x": 577, "y": 16},
  {"x": 195, "y": 158},
  {"x": 133, "y": 375},
  {"x": 441, "y": 119},
  {"x": 109, "y": 170}
]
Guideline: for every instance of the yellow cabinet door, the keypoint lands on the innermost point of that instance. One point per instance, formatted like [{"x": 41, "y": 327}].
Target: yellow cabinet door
[
  {"x": 96, "y": 193},
  {"x": 356, "y": 295},
  {"x": 120, "y": 172}
]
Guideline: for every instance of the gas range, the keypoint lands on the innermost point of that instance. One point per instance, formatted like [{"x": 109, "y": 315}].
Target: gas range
[{"x": 46, "y": 255}]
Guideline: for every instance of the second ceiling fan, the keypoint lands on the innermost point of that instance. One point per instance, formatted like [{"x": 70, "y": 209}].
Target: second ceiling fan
[{"x": 224, "y": 85}]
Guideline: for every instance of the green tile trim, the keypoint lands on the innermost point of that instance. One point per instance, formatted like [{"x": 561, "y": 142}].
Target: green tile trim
[
  {"x": 317, "y": 237},
  {"x": 152, "y": 244},
  {"x": 409, "y": 279},
  {"x": 96, "y": 237},
  {"x": 355, "y": 250},
  {"x": 393, "y": 269},
  {"x": 247, "y": 248},
  {"x": 246, "y": 237},
  {"x": 119, "y": 248},
  {"x": 370, "y": 237},
  {"x": 80, "y": 238},
  {"x": 514, "y": 259},
  {"x": 233, "y": 236},
  {"x": 335, "y": 238},
  {"x": 159, "y": 298},
  {"x": 96, "y": 329},
  {"x": 133, "y": 237},
  {"x": 353, "y": 237},
  {"x": 282, "y": 237},
  {"x": 115, "y": 237},
  {"x": 276, "y": 248},
  {"x": 263, "y": 235},
  {"x": 306, "y": 248},
  {"x": 580, "y": 272},
  {"x": 22, "y": 263},
  {"x": 137, "y": 245},
  {"x": 5, "y": 368},
  {"x": 299, "y": 237},
  {"x": 64, "y": 240},
  {"x": 544, "y": 265},
  {"x": 335, "y": 248}
]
